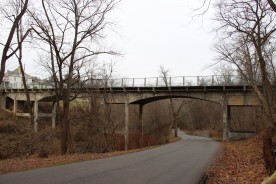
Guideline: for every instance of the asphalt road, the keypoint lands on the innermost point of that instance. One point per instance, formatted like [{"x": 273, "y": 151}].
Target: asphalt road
[{"x": 182, "y": 162}]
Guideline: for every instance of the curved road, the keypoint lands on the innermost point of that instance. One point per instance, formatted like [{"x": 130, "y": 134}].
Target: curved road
[{"x": 182, "y": 162}]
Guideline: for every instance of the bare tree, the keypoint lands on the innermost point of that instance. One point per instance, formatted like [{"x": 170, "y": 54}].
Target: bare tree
[
  {"x": 20, "y": 39},
  {"x": 108, "y": 123},
  {"x": 72, "y": 29},
  {"x": 157, "y": 122},
  {"x": 10, "y": 46},
  {"x": 251, "y": 25},
  {"x": 206, "y": 4},
  {"x": 272, "y": 4},
  {"x": 175, "y": 110},
  {"x": 241, "y": 57},
  {"x": 22, "y": 31}
]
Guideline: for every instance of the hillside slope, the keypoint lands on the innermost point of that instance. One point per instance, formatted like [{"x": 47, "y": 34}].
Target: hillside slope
[{"x": 239, "y": 162}]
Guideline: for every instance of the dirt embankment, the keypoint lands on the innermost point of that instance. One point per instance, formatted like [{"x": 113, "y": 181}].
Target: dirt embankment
[
  {"x": 17, "y": 138},
  {"x": 240, "y": 162},
  {"x": 21, "y": 147}
]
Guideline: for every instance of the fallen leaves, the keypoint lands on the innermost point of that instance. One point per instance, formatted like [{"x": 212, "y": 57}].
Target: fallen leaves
[
  {"x": 239, "y": 162},
  {"x": 21, "y": 164},
  {"x": 34, "y": 162}
]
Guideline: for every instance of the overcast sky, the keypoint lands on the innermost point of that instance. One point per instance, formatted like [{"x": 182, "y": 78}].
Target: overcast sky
[{"x": 151, "y": 33}]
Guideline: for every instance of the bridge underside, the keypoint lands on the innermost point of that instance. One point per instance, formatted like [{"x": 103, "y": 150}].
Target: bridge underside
[
  {"x": 226, "y": 96},
  {"x": 17, "y": 103},
  {"x": 234, "y": 98},
  {"x": 157, "y": 98}
]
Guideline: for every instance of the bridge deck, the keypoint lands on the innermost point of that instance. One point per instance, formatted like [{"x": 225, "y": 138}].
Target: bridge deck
[{"x": 144, "y": 89}]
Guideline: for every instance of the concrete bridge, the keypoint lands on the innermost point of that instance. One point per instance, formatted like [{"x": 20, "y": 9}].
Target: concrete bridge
[
  {"x": 227, "y": 93},
  {"x": 14, "y": 99},
  {"x": 226, "y": 96}
]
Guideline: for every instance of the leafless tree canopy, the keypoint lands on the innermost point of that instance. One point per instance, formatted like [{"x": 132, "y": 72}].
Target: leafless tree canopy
[
  {"x": 206, "y": 4},
  {"x": 174, "y": 107},
  {"x": 10, "y": 46},
  {"x": 70, "y": 32},
  {"x": 72, "y": 29},
  {"x": 247, "y": 30}
]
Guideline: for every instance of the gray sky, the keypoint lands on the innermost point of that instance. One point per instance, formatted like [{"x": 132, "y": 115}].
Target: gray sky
[
  {"x": 151, "y": 33},
  {"x": 159, "y": 32}
]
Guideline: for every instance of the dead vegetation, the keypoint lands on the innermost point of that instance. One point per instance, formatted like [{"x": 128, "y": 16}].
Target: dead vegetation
[
  {"x": 40, "y": 160},
  {"x": 34, "y": 162},
  {"x": 239, "y": 162},
  {"x": 99, "y": 131},
  {"x": 99, "y": 134},
  {"x": 18, "y": 140}
]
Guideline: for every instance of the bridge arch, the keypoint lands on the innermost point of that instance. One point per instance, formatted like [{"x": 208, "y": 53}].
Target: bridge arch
[
  {"x": 148, "y": 100},
  {"x": 222, "y": 95}
]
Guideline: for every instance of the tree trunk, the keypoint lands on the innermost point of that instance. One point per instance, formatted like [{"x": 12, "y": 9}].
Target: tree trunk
[
  {"x": 175, "y": 126},
  {"x": 65, "y": 132},
  {"x": 20, "y": 39},
  {"x": 8, "y": 43},
  {"x": 267, "y": 95},
  {"x": 174, "y": 117}
]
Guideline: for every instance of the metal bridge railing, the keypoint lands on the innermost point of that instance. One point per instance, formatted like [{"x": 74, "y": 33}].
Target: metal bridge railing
[{"x": 214, "y": 80}]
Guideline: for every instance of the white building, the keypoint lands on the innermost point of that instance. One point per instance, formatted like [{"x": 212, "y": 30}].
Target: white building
[{"x": 13, "y": 79}]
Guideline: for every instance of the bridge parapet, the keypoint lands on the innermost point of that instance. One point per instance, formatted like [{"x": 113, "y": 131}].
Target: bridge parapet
[{"x": 213, "y": 80}]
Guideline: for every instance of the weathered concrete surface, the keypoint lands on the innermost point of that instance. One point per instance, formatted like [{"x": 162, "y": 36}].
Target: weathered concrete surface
[
  {"x": 34, "y": 96},
  {"x": 233, "y": 98},
  {"x": 240, "y": 135},
  {"x": 224, "y": 95},
  {"x": 2, "y": 101},
  {"x": 181, "y": 162}
]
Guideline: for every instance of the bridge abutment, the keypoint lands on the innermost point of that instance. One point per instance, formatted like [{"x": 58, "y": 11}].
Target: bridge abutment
[
  {"x": 225, "y": 119},
  {"x": 3, "y": 102},
  {"x": 228, "y": 102}
]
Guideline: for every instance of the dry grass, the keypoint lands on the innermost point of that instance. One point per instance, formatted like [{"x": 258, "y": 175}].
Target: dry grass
[
  {"x": 20, "y": 146},
  {"x": 35, "y": 162}
]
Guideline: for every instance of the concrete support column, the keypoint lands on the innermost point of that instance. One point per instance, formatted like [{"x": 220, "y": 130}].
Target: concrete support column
[
  {"x": 126, "y": 123},
  {"x": 35, "y": 115},
  {"x": 142, "y": 124},
  {"x": 14, "y": 106},
  {"x": 54, "y": 113},
  {"x": 225, "y": 118},
  {"x": 3, "y": 101}
]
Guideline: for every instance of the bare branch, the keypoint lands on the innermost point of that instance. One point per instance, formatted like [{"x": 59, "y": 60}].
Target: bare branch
[{"x": 8, "y": 43}]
